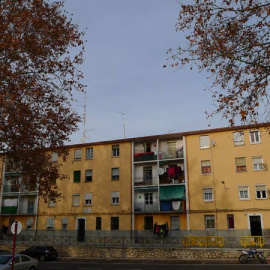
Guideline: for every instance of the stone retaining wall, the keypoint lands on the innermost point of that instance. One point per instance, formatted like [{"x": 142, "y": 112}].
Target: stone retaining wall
[{"x": 142, "y": 253}]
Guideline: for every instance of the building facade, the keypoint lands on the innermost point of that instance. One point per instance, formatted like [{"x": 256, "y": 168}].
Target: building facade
[
  {"x": 206, "y": 182},
  {"x": 228, "y": 183}
]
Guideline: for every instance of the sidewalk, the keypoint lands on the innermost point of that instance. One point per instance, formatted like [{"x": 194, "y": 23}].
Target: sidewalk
[{"x": 158, "y": 261}]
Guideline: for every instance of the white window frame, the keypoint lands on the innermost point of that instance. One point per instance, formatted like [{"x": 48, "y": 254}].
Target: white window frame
[
  {"x": 242, "y": 190},
  {"x": 88, "y": 198},
  {"x": 50, "y": 223},
  {"x": 89, "y": 153},
  {"x": 78, "y": 154},
  {"x": 148, "y": 198},
  {"x": 29, "y": 223},
  {"x": 115, "y": 172},
  {"x": 90, "y": 174},
  {"x": 208, "y": 195},
  {"x": 64, "y": 223},
  {"x": 204, "y": 164},
  {"x": 240, "y": 162},
  {"x": 76, "y": 199},
  {"x": 115, "y": 150},
  {"x": 261, "y": 191},
  {"x": 210, "y": 218},
  {"x": 54, "y": 157},
  {"x": 257, "y": 164},
  {"x": 204, "y": 142},
  {"x": 255, "y": 136},
  {"x": 238, "y": 138},
  {"x": 51, "y": 203},
  {"x": 115, "y": 198}
]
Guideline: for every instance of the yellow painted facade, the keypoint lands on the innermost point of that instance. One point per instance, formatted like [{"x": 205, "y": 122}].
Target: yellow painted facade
[
  {"x": 209, "y": 182},
  {"x": 101, "y": 188},
  {"x": 232, "y": 197}
]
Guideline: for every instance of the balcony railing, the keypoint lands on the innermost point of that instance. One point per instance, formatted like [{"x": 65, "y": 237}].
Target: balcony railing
[
  {"x": 166, "y": 180},
  {"x": 13, "y": 210},
  {"x": 171, "y": 154},
  {"x": 146, "y": 182},
  {"x": 16, "y": 188},
  {"x": 149, "y": 156},
  {"x": 143, "y": 207}
]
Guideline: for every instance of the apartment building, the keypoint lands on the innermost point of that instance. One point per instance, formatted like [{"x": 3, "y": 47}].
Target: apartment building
[
  {"x": 205, "y": 182},
  {"x": 96, "y": 195},
  {"x": 228, "y": 181},
  {"x": 17, "y": 203}
]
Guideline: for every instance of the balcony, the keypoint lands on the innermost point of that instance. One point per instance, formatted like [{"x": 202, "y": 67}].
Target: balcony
[
  {"x": 171, "y": 154},
  {"x": 142, "y": 207},
  {"x": 165, "y": 179},
  {"x": 14, "y": 210},
  {"x": 147, "y": 156},
  {"x": 146, "y": 182},
  {"x": 7, "y": 188}
]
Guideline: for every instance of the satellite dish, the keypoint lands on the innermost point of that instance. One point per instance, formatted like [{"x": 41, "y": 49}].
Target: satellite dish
[{"x": 161, "y": 171}]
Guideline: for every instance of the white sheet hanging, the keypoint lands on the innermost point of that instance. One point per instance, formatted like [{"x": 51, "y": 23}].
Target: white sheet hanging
[{"x": 10, "y": 202}]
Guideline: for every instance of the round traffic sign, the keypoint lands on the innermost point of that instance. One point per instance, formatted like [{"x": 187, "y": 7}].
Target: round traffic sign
[{"x": 19, "y": 227}]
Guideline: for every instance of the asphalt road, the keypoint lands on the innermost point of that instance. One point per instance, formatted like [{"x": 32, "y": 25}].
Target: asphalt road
[{"x": 59, "y": 265}]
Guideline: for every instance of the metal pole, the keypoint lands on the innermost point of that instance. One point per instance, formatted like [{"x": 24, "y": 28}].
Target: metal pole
[{"x": 14, "y": 244}]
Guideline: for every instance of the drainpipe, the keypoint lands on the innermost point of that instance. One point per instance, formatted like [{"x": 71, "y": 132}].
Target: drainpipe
[
  {"x": 36, "y": 221},
  {"x": 186, "y": 182},
  {"x": 132, "y": 190}
]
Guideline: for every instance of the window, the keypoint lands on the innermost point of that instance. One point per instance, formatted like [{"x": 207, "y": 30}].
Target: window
[
  {"x": 77, "y": 176},
  {"x": 77, "y": 154},
  {"x": 208, "y": 194},
  {"x": 89, "y": 153},
  {"x": 257, "y": 163},
  {"x": 243, "y": 192},
  {"x": 31, "y": 206},
  {"x": 115, "y": 173},
  {"x": 204, "y": 141},
  {"x": 147, "y": 173},
  {"x": 29, "y": 223},
  {"x": 209, "y": 221},
  {"x": 76, "y": 199},
  {"x": 260, "y": 191},
  {"x": 88, "y": 175},
  {"x": 254, "y": 136},
  {"x": 114, "y": 223},
  {"x": 230, "y": 221},
  {"x": 115, "y": 150},
  {"x": 51, "y": 202},
  {"x": 148, "y": 198},
  {"x": 238, "y": 138},
  {"x": 54, "y": 156},
  {"x": 115, "y": 196},
  {"x": 88, "y": 198},
  {"x": 206, "y": 166},
  {"x": 240, "y": 164},
  {"x": 50, "y": 223},
  {"x": 148, "y": 223},
  {"x": 64, "y": 224},
  {"x": 98, "y": 223},
  {"x": 175, "y": 223}
]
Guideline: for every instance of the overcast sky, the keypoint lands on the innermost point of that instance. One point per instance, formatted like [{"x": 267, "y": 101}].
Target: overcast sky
[{"x": 126, "y": 49}]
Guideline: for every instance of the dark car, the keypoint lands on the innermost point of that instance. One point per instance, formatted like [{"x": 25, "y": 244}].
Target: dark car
[{"x": 41, "y": 253}]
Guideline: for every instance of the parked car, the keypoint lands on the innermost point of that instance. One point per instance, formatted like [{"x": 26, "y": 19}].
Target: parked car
[
  {"x": 20, "y": 262},
  {"x": 42, "y": 253}
]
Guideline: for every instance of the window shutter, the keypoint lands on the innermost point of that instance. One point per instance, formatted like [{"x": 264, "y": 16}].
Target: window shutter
[
  {"x": 29, "y": 222},
  {"x": 260, "y": 188},
  {"x": 206, "y": 163},
  {"x": 204, "y": 141},
  {"x": 64, "y": 220},
  {"x": 240, "y": 161},
  {"x": 88, "y": 196}
]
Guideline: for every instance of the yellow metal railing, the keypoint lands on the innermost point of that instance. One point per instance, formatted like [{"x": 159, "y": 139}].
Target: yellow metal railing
[
  {"x": 203, "y": 241},
  {"x": 252, "y": 241}
]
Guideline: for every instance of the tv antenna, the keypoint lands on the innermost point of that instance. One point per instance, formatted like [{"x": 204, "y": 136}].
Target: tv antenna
[
  {"x": 124, "y": 123},
  {"x": 84, "y": 120}
]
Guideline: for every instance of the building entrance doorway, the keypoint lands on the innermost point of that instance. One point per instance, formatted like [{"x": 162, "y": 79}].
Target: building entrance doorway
[
  {"x": 255, "y": 225},
  {"x": 80, "y": 229}
]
